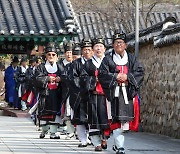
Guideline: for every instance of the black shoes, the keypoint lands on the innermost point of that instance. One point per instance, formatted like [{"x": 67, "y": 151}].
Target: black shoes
[
  {"x": 82, "y": 145},
  {"x": 98, "y": 148},
  {"x": 54, "y": 136},
  {"x": 104, "y": 144},
  {"x": 118, "y": 151},
  {"x": 42, "y": 135}
]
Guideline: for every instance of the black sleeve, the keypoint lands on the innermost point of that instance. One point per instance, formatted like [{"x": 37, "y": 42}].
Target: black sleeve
[
  {"x": 41, "y": 78},
  {"x": 19, "y": 76},
  {"x": 88, "y": 77},
  {"x": 135, "y": 77},
  {"x": 107, "y": 78}
]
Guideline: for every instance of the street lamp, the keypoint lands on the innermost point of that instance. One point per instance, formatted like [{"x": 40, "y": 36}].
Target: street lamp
[{"x": 137, "y": 29}]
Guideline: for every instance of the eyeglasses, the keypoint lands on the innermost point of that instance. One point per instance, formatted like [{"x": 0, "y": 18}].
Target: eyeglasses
[
  {"x": 51, "y": 54},
  {"x": 119, "y": 42}
]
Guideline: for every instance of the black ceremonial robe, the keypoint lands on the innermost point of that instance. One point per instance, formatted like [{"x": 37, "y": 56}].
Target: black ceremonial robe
[
  {"x": 78, "y": 100},
  {"x": 49, "y": 97},
  {"x": 29, "y": 79},
  {"x": 20, "y": 77},
  {"x": 107, "y": 76},
  {"x": 97, "y": 111},
  {"x": 64, "y": 67},
  {"x": 64, "y": 71}
]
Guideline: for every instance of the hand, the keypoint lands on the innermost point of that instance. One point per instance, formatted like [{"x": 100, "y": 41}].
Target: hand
[
  {"x": 58, "y": 79},
  {"x": 121, "y": 77},
  {"x": 51, "y": 79}
]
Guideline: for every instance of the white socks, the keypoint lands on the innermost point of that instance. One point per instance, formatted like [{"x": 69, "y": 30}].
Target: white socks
[
  {"x": 96, "y": 140},
  {"x": 118, "y": 138},
  {"x": 82, "y": 134}
]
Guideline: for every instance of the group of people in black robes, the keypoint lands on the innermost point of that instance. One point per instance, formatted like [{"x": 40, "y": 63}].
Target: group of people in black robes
[
  {"x": 92, "y": 93},
  {"x": 19, "y": 88}
]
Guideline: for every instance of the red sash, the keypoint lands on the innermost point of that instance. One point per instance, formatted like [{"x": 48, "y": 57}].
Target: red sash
[
  {"x": 98, "y": 85},
  {"x": 52, "y": 85},
  {"x": 122, "y": 69}
]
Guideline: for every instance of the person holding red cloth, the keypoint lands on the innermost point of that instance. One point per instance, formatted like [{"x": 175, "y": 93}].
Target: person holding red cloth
[
  {"x": 120, "y": 76},
  {"x": 97, "y": 111},
  {"x": 47, "y": 80}
]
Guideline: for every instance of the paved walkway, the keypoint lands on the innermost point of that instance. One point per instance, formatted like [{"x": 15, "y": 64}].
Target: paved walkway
[{"x": 20, "y": 136}]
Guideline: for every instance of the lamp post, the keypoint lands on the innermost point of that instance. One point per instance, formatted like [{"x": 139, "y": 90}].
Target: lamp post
[{"x": 137, "y": 29}]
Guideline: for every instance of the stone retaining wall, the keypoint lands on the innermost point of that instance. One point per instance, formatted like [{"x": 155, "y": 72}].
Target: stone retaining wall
[{"x": 160, "y": 105}]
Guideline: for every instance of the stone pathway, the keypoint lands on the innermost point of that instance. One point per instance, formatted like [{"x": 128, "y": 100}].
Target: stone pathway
[{"x": 20, "y": 136}]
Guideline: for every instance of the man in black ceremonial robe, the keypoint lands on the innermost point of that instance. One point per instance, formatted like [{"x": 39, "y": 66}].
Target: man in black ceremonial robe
[
  {"x": 47, "y": 82},
  {"x": 120, "y": 75},
  {"x": 21, "y": 81},
  {"x": 66, "y": 110},
  {"x": 97, "y": 111},
  {"x": 78, "y": 102}
]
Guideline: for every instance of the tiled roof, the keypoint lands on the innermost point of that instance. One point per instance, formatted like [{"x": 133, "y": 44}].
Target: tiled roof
[
  {"x": 168, "y": 36},
  {"x": 94, "y": 24},
  {"x": 36, "y": 17}
]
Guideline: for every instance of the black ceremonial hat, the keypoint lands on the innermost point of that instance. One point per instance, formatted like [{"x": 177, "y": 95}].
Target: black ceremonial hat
[
  {"x": 97, "y": 41},
  {"x": 76, "y": 50},
  {"x": 119, "y": 34},
  {"x": 51, "y": 47},
  {"x": 68, "y": 46},
  {"x": 86, "y": 43},
  {"x": 24, "y": 59},
  {"x": 15, "y": 59},
  {"x": 32, "y": 60}
]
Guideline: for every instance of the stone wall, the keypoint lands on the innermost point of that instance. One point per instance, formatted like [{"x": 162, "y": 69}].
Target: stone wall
[{"x": 160, "y": 105}]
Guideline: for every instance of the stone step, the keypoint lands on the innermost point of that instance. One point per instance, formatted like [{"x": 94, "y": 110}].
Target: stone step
[{"x": 8, "y": 111}]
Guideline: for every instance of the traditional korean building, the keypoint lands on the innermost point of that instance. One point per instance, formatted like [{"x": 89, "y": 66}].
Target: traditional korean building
[{"x": 26, "y": 23}]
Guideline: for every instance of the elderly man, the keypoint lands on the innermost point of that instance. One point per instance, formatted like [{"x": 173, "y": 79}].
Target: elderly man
[
  {"x": 47, "y": 82},
  {"x": 97, "y": 112},
  {"x": 120, "y": 75},
  {"x": 78, "y": 102}
]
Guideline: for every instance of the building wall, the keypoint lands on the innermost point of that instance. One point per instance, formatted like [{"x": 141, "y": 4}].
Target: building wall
[{"x": 160, "y": 105}]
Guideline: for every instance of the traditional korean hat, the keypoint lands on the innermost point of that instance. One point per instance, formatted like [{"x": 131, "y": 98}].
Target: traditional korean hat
[
  {"x": 119, "y": 34},
  {"x": 86, "y": 43},
  {"x": 15, "y": 60},
  {"x": 32, "y": 60},
  {"x": 97, "y": 41},
  {"x": 51, "y": 47},
  {"x": 23, "y": 59},
  {"x": 76, "y": 50},
  {"x": 68, "y": 46},
  {"x": 38, "y": 59}
]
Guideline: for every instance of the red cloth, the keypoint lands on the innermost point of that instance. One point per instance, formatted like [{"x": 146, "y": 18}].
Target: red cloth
[
  {"x": 25, "y": 96},
  {"x": 31, "y": 98},
  {"x": 113, "y": 126},
  {"x": 133, "y": 125},
  {"x": 122, "y": 69},
  {"x": 98, "y": 85},
  {"x": 52, "y": 85}
]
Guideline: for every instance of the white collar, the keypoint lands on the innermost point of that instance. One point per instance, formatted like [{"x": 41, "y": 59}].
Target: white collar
[
  {"x": 51, "y": 68},
  {"x": 83, "y": 60},
  {"x": 65, "y": 62},
  {"x": 14, "y": 68},
  {"x": 120, "y": 61},
  {"x": 23, "y": 69},
  {"x": 97, "y": 61}
]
